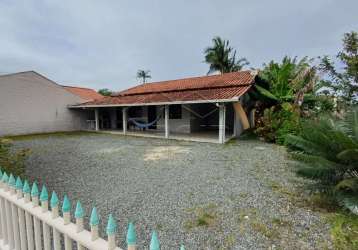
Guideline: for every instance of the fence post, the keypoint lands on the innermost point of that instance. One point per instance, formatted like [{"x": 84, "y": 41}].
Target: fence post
[
  {"x": 154, "y": 242},
  {"x": 1, "y": 211},
  {"x": 111, "y": 232},
  {"x": 37, "y": 225},
  {"x": 28, "y": 219},
  {"x": 94, "y": 221},
  {"x": 66, "y": 209},
  {"x": 54, "y": 211},
  {"x": 20, "y": 212},
  {"x": 15, "y": 221},
  {"x": 5, "y": 235},
  {"x": 79, "y": 222},
  {"x": 10, "y": 232},
  {"x": 45, "y": 227},
  {"x": 131, "y": 237}
]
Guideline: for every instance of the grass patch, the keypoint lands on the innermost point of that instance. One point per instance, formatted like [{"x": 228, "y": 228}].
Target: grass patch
[
  {"x": 344, "y": 230},
  {"x": 270, "y": 233},
  {"x": 202, "y": 217},
  {"x": 343, "y": 225},
  {"x": 46, "y": 135}
]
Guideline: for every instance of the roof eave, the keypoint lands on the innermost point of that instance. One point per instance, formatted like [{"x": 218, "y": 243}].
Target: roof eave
[{"x": 234, "y": 99}]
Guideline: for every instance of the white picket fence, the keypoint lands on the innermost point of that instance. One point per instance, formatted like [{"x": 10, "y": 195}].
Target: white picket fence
[{"x": 21, "y": 217}]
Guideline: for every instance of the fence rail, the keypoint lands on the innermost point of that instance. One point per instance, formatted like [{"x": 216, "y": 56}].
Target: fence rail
[{"x": 24, "y": 210}]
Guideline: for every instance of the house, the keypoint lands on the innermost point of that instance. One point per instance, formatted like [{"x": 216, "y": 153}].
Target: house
[
  {"x": 31, "y": 103},
  {"x": 84, "y": 93},
  {"x": 212, "y": 108}
]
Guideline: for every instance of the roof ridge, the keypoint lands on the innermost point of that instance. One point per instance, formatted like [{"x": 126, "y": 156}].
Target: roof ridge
[
  {"x": 68, "y": 86},
  {"x": 187, "y": 78},
  {"x": 183, "y": 90}
]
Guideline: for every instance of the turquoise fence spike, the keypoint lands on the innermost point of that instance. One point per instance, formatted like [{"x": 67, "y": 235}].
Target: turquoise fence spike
[
  {"x": 111, "y": 225},
  {"x": 5, "y": 178},
  {"x": 66, "y": 205},
  {"x": 94, "y": 221},
  {"x": 131, "y": 234},
  {"x": 26, "y": 188},
  {"x": 79, "y": 211},
  {"x": 12, "y": 181},
  {"x": 182, "y": 247},
  {"x": 34, "y": 190},
  {"x": 54, "y": 200},
  {"x": 18, "y": 184},
  {"x": 44, "y": 194},
  {"x": 154, "y": 243},
  {"x": 0, "y": 174}
]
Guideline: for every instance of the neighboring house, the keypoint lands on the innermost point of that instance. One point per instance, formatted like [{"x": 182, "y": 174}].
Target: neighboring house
[
  {"x": 212, "y": 108},
  {"x": 31, "y": 103},
  {"x": 85, "y": 93}
]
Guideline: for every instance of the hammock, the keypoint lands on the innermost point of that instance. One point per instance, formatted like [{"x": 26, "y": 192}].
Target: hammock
[{"x": 144, "y": 125}]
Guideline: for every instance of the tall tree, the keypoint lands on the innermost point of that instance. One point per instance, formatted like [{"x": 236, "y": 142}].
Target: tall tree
[
  {"x": 221, "y": 57},
  {"x": 343, "y": 81},
  {"x": 143, "y": 74}
]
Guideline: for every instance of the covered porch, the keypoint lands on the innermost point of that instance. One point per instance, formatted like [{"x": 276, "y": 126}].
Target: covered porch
[{"x": 201, "y": 122}]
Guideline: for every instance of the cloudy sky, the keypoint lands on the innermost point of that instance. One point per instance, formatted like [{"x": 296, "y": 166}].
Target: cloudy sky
[{"x": 102, "y": 44}]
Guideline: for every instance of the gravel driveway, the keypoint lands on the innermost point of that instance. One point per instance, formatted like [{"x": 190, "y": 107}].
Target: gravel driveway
[{"x": 207, "y": 196}]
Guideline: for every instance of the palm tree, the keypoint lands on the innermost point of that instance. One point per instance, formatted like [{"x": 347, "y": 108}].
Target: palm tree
[
  {"x": 327, "y": 151},
  {"x": 288, "y": 81},
  {"x": 221, "y": 57},
  {"x": 143, "y": 74}
]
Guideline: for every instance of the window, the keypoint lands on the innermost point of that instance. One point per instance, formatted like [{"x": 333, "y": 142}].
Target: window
[{"x": 175, "y": 111}]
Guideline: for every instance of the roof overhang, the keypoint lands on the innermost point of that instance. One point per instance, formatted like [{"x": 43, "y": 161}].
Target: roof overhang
[{"x": 235, "y": 99}]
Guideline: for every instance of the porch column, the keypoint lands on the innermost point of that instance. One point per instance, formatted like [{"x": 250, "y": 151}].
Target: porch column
[
  {"x": 124, "y": 112},
  {"x": 222, "y": 118},
  {"x": 166, "y": 115},
  {"x": 96, "y": 117}
]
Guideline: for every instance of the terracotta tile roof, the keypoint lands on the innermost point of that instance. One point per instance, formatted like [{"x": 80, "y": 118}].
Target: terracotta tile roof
[
  {"x": 202, "y": 82},
  {"x": 85, "y": 93},
  {"x": 205, "y": 88}
]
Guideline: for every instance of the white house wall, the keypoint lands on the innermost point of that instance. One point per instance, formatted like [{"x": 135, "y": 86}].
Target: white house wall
[
  {"x": 175, "y": 125},
  {"x": 30, "y": 103}
]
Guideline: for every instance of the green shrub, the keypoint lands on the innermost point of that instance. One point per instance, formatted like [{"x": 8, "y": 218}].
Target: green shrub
[
  {"x": 12, "y": 162},
  {"x": 277, "y": 122},
  {"x": 327, "y": 151}
]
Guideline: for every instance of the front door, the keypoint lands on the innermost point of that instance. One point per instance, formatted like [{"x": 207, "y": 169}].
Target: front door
[{"x": 152, "y": 115}]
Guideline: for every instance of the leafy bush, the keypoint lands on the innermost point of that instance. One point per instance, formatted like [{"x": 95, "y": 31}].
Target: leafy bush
[
  {"x": 327, "y": 151},
  {"x": 285, "y": 89},
  {"x": 277, "y": 122},
  {"x": 11, "y": 162}
]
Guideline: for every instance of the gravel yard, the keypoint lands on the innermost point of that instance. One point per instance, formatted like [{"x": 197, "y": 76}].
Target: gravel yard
[{"x": 242, "y": 195}]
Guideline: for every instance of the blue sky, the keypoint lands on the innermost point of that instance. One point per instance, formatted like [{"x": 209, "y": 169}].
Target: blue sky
[{"x": 102, "y": 44}]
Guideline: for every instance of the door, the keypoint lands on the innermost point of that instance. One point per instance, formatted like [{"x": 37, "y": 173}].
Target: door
[{"x": 152, "y": 115}]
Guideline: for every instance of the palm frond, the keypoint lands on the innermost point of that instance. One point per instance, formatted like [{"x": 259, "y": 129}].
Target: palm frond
[{"x": 266, "y": 93}]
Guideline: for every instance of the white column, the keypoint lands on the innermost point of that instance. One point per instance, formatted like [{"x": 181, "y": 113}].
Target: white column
[
  {"x": 222, "y": 117},
  {"x": 124, "y": 112},
  {"x": 166, "y": 123},
  {"x": 96, "y": 117}
]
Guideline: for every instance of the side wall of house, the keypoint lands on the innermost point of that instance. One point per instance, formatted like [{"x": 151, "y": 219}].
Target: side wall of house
[{"x": 29, "y": 103}]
